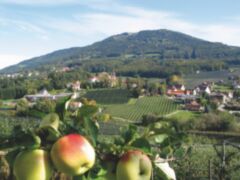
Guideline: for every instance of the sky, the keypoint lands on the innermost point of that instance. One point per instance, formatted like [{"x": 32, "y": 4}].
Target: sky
[{"x": 30, "y": 28}]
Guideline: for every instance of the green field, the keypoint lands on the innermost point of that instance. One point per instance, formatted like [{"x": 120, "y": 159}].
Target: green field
[
  {"x": 184, "y": 116},
  {"x": 109, "y": 96},
  {"x": 147, "y": 105}
]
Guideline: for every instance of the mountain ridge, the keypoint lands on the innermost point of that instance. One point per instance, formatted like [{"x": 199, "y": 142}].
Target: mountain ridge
[{"x": 160, "y": 44}]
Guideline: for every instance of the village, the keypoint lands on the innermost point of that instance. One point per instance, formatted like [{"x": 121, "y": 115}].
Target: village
[{"x": 219, "y": 95}]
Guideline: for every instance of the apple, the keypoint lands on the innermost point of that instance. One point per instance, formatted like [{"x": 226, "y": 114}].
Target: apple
[
  {"x": 134, "y": 165},
  {"x": 33, "y": 165},
  {"x": 73, "y": 154}
]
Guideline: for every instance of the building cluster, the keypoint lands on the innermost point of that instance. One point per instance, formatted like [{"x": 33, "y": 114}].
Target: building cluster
[
  {"x": 190, "y": 97},
  {"x": 104, "y": 77}
]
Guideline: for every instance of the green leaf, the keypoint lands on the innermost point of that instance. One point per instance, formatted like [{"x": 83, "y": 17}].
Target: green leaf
[
  {"x": 60, "y": 107},
  {"x": 22, "y": 138},
  {"x": 87, "y": 111},
  {"x": 166, "y": 151},
  {"x": 49, "y": 133},
  {"x": 51, "y": 120},
  {"x": 180, "y": 152},
  {"x": 91, "y": 129},
  {"x": 142, "y": 144},
  {"x": 82, "y": 177},
  {"x": 130, "y": 134},
  {"x": 159, "y": 138}
]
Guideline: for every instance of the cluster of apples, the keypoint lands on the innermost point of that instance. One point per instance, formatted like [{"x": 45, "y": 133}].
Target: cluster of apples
[{"x": 72, "y": 154}]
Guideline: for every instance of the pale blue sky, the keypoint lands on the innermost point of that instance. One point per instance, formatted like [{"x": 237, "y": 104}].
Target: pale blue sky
[{"x": 30, "y": 28}]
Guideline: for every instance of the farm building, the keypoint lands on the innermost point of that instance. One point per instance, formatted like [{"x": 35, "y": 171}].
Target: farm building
[
  {"x": 193, "y": 106},
  {"x": 75, "y": 86},
  {"x": 44, "y": 94},
  {"x": 203, "y": 89},
  {"x": 221, "y": 98}
]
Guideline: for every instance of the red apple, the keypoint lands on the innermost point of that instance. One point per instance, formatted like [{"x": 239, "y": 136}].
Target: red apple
[
  {"x": 73, "y": 155},
  {"x": 134, "y": 165}
]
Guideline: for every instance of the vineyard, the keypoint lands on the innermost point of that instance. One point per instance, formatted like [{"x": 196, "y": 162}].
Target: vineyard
[
  {"x": 7, "y": 124},
  {"x": 109, "y": 96},
  {"x": 147, "y": 105},
  {"x": 205, "y": 162}
]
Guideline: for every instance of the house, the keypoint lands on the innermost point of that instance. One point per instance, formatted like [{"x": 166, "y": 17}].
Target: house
[
  {"x": 178, "y": 90},
  {"x": 203, "y": 88},
  {"x": 185, "y": 98},
  {"x": 75, "y": 86},
  {"x": 65, "y": 69},
  {"x": 221, "y": 98},
  {"x": 177, "y": 87},
  {"x": 193, "y": 106},
  {"x": 104, "y": 76},
  {"x": 44, "y": 94},
  {"x": 218, "y": 98}
]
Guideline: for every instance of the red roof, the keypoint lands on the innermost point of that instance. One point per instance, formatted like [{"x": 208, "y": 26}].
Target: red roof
[{"x": 177, "y": 92}]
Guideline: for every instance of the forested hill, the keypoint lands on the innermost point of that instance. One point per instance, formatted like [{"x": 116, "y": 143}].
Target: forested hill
[{"x": 152, "y": 44}]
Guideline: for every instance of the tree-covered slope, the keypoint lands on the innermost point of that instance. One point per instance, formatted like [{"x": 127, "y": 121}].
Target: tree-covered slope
[{"x": 152, "y": 44}]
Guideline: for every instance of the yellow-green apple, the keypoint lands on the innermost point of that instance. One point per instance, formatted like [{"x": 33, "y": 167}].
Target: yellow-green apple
[
  {"x": 134, "y": 165},
  {"x": 33, "y": 165},
  {"x": 73, "y": 154}
]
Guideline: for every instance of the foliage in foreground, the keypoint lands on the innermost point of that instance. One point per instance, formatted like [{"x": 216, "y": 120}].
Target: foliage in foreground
[{"x": 156, "y": 140}]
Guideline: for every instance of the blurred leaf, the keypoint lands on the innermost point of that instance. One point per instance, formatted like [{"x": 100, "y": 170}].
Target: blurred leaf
[
  {"x": 91, "y": 129},
  {"x": 60, "y": 107},
  {"x": 49, "y": 133},
  {"x": 87, "y": 111},
  {"x": 159, "y": 138},
  {"x": 21, "y": 138},
  {"x": 180, "y": 152},
  {"x": 165, "y": 171},
  {"x": 142, "y": 144},
  {"x": 82, "y": 177},
  {"x": 166, "y": 151},
  {"x": 51, "y": 120},
  {"x": 130, "y": 134}
]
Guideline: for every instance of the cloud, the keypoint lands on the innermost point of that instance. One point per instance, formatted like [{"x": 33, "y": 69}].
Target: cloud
[
  {"x": 132, "y": 19},
  {"x": 24, "y": 26}
]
